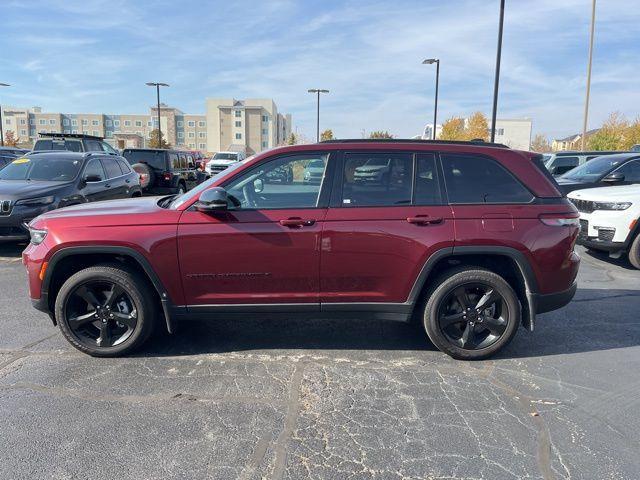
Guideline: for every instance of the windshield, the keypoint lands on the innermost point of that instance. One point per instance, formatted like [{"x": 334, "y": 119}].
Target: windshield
[
  {"x": 225, "y": 156},
  {"x": 54, "y": 169},
  {"x": 155, "y": 159},
  {"x": 593, "y": 169},
  {"x": 195, "y": 192},
  {"x": 58, "y": 144}
]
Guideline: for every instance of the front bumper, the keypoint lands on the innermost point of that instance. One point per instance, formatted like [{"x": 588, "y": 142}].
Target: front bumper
[
  {"x": 552, "y": 301},
  {"x": 596, "y": 244},
  {"x": 13, "y": 227}
]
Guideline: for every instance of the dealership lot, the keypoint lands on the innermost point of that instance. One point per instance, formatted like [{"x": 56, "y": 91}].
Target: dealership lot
[{"x": 327, "y": 399}]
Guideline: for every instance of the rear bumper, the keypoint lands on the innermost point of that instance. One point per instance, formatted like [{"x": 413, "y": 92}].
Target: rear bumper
[{"x": 552, "y": 301}]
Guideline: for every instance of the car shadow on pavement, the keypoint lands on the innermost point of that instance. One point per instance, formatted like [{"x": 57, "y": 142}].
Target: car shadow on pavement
[
  {"x": 622, "y": 261},
  {"x": 12, "y": 249},
  {"x": 612, "y": 313}
]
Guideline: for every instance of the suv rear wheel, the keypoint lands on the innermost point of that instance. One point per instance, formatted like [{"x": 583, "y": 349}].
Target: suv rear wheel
[
  {"x": 471, "y": 313},
  {"x": 634, "y": 251},
  {"x": 105, "y": 311}
]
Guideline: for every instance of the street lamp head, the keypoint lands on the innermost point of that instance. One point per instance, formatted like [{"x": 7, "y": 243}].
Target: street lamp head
[
  {"x": 429, "y": 61},
  {"x": 157, "y": 84},
  {"x": 317, "y": 90}
]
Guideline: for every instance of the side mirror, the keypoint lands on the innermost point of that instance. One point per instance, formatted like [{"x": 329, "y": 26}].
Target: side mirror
[
  {"x": 614, "y": 177},
  {"x": 258, "y": 185},
  {"x": 212, "y": 200}
]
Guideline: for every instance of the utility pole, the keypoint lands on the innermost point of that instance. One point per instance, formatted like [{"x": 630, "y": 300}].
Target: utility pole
[
  {"x": 318, "y": 91},
  {"x": 586, "y": 101},
  {"x": 158, "y": 85},
  {"x": 497, "y": 74}
]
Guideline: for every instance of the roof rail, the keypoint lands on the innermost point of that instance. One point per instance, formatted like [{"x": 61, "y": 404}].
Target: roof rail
[
  {"x": 414, "y": 140},
  {"x": 69, "y": 135}
]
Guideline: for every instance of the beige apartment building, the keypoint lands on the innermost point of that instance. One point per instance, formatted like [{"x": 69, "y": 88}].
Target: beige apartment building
[{"x": 252, "y": 125}]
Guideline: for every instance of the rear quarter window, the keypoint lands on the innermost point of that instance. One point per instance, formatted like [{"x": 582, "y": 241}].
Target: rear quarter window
[{"x": 473, "y": 179}]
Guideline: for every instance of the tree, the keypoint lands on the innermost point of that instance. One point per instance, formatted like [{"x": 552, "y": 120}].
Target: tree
[
  {"x": 292, "y": 139},
  {"x": 153, "y": 140},
  {"x": 612, "y": 135},
  {"x": 633, "y": 135},
  {"x": 453, "y": 129},
  {"x": 10, "y": 139},
  {"x": 327, "y": 135},
  {"x": 380, "y": 134},
  {"x": 477, "y": 127},
  {"x": 540, "y": 144}
]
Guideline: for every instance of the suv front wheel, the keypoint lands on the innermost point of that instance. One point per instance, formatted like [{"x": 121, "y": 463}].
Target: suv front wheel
[
  {"x": 471, "y": 313},
  {"x": 105, "y": 311}
]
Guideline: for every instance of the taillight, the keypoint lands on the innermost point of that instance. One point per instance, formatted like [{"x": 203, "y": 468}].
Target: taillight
[
  {"x": 560, "y": 220},
  {"x": 166, "y": 176}
]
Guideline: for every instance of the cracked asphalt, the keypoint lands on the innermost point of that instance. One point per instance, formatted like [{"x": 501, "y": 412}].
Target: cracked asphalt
[{"x": 327, "y": 399}]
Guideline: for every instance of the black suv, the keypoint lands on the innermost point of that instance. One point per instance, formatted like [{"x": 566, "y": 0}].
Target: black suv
[
  {"x": 164, "y": 172},
  {"x": 73, "y": 142},
  {"x": 43, "y": 181}
]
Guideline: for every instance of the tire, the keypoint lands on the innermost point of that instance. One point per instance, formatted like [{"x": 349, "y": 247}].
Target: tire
[
  {"x": 136, "y": 293},
  {"x": 634, "y": 252},
  {"x": 181, "y": 189},
  {"x": 482, "y": 326},
  {"x": 147, "y": 175}
]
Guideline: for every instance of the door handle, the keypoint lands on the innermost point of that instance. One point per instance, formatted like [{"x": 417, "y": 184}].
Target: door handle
[
  {"x": 107, "y": 185},
  {"x": 296, "y": 222},
  {"x": 424, "y": 220}
]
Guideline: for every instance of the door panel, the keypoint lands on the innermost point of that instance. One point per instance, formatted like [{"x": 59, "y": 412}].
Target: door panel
[{"x": 241, "y": 257}]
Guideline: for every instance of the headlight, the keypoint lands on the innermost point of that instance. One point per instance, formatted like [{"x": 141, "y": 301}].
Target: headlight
[
  {"x": 611, "y": 205},
  {"x": 37, "y": 236},
  {"x": 37, "y": 201}
]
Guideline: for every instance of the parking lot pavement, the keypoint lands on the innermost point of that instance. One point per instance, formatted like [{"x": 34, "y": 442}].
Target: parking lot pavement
[{"x": 326, "y": 399}]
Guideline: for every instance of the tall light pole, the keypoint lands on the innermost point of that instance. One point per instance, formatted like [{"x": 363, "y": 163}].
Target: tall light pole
[
  {"x": 586, "y": 101},
  {"x": 158, "y": 85},
  {"x": 430, "y": 61},
  {"x": 497, "y": 75},
  {"x": 1, "y": 126},
  {"x": 318, "y": 91}
]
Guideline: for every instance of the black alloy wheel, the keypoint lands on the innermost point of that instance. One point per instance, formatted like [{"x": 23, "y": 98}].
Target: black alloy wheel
[
  {"x": 101, "y": 313},
  {"x": 473, "y": 316}
]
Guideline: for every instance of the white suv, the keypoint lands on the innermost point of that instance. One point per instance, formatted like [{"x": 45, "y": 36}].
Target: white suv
[
  {"x": 610, "y": 219},
  {"x": 222, "y": 160}
]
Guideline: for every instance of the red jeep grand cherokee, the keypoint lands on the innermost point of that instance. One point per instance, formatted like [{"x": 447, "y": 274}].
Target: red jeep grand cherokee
[{"x": 473, "y": 239}]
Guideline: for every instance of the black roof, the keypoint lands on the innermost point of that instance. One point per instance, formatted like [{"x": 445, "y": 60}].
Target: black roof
[
  {"x": 576, "y": 152},
  {"x": 69, "y": 135},
  {"x": 480, "y": 143}
]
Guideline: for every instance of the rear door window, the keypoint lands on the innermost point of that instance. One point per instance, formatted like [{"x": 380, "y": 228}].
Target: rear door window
[
  {"x": 124, "y": 167},
  {"x": 631, "y": 171},
  {"x": 94, "y": 167},
  {"x": 473, "y": 178},
  {"x": 174, "y": 160},
  {"x": 427, "y": 186},
  {"x": 377, "y": 179},
  {"x": 111, "y": 167}
]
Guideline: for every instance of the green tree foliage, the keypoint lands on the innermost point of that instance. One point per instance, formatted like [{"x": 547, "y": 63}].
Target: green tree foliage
[
  {"x": 155, "y": 142},
  {"x": 327, "y": 135},
  {"x": 380, "y": 134}
]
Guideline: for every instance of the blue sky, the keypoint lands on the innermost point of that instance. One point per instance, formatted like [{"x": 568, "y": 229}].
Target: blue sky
[{"x": 95, "y": 56}]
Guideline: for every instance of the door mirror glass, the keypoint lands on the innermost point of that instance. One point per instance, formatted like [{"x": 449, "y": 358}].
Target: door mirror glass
[
  {"x": 92, "y": 178},
  {"x": 614, "y": 177},
  {"x": 213, "y": 199},
  {"x": 258, "y": 185}
]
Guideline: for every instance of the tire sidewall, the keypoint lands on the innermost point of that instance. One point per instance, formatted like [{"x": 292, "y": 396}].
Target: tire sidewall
[
  {"x": 454, "y": 280},
  {"x": 634, "y": 252},
  {"x": 131, "y": 285}
]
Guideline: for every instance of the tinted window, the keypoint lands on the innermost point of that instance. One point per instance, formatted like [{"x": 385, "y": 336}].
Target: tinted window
[
  {"x": 107, "y": 148},
  {"x": 593, "y": 169},
  {"x": 155, "y": 159},
  {"x": 174, "y": 161},
  {"x": 566, "y": 162},
  {"x": 427, "y": 188},
  {"x": 59, "y": 144},
  {"x": 111, "y": 167},
  {"x": 278, "y": 183},
  {"x": 42, "y": 168},
  {"x": 631, "y": 171},
  {"x": 183, "y": 161},
  {"x": 225, "y": 156},
  {"x": 124, "y": 167},
  {"x": 377, "y": 179},
  {"x": 477, "y": 179},
  {"x": 190, "y": 163},
  {"x": 94, "y": 146},
  {"x": 94, "y": 167}
]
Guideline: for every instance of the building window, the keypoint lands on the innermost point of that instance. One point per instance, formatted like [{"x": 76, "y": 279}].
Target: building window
[
  {"x": 192, "y": 145},
  {"x": 265, "y": 131},
  {"x": 238, "y": 113},
  {"x": 238, "y": 136},
  {"x": 96, "y": 133},
  {"x": 139, "y": 133},
  {"x": 108, "y": 123},
  {"x": 203, "y": 146},
  {"x": 149, "y": 123},
  {"x": 109, "y": 134},
  {"x": 127, "y": 123},
  {"x": 265, "y": 118},
  {"x": 138, "y": 123},
  {"x": 85, "y": 132},
  {"x": 23, "y": 121},
  {"x": 264, "y": 144},
  {"x": 33, "y": 132},
  {"x": 52, "y": 121},
  {"x": 32, "y": 121},
  {"x": 85, "y": 122},
  {"x": 23, "y": 132},
  {"x": 180, "y": 123},
  {"x": 202, "y": 134},
  {"x": 95, "y": 123},
  {"x": 201, "y": 124},
  {"x": 180, "y": 134},
  {"x": 238, "y": 124},
  {"x": 7, "y": 121},
  {"x": 42, "y": 121},
  {"x": 499, "y": 131},
  {"x": 192, "y": 135},
  {"x": 116, "y": 123},
  {"x": 191, "y": 123},
  {"x": 65, "y": 122},
  {"x": 74, "y": 123},
  {"x": 74, "y": 131}
]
